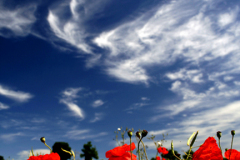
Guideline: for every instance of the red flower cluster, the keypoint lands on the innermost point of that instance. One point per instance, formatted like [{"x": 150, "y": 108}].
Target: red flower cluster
[
  {"x": 52, "y": 156},
  {"x": 158, "y": 158},
  {"x": 210, "y": 151},
  {"x": 162, "y": 150},
  {"x": 120, "y": 153},
  {"x": 235, "y": 155}
]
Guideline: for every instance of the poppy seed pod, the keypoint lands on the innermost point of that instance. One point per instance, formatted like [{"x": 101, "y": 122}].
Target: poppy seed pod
[
  {"x": 219, "y": 134},
  {"x": 226, "y": 149},
  {"x": 144, "y": 133},
  {"x": 42, "y": 139},
  {"x": 138, "y": 134},
  {"x": 130, "y": 133},
  {"x": 233, "y": 132}
]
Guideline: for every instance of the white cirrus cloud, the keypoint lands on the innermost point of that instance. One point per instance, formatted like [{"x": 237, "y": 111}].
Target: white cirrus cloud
[
  {"x": 237, "y": 83},
  {"x": 228, "y": 78},
  {"x": 71, "y": 93},
  {"x": 184, "y": 74},
  {"x": 228, "y": 17},
  {"x": 192, "y": 100},
  {"x": 145, "y": 98},
  {"x": 82, "y": 134},
  {"x": 10, "y": 137},
  {"x": 68, "y": 98},
  {"x": 3, "y": 106},
  {"x": 97, "y": 103},
  {"x": 19, "y": 20},
  {"x": 74, "y": 108},
  {"x": 178, "y": 30},
  {"x": 15, "y": 95},
  {"x": 71, "y": 28},
  {"x": 98, "y": 117}
]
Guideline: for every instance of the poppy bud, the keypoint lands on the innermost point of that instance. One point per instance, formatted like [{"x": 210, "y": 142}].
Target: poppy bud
[
  {"x": 233, "y": 132},
  {"x": 42, "y": 139},
  {"x": 144, "y": 133},
  {"x": 219, "y": 134},
  {"x": 178, "y": 155},
  {"x": 138, "y": 134},
  {"x": 130, "y": 133}
]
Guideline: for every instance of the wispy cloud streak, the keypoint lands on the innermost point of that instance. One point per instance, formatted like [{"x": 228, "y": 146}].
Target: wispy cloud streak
[
  {"x": 19, "y": 21},
  {"x": 68, "y": 98},
  {"x": 71, "y": 28},
  {"x": 3, "y": 106},
  {"x": 97, "y": 103},
  {"x": 178, "y": 30},
  {"x": 15, "y": 95}
]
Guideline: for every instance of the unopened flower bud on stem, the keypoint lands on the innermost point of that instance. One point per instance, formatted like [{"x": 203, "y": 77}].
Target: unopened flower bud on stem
[
  {"x": 42, "y": 139},
  {"x": 144, "y": 133},
  {"x": 138, "y": 134},
  {"x": 130, "y": 133},
  {"x": 219, "y": 134}
]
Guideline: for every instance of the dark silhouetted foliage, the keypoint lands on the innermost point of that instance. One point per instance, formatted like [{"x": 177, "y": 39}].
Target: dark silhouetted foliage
[
  {"x": 170, "y": 155},
  {"x": 89, "y": 152},
  {"x": 191, "y": 154},
  {"x": 1, "y": 158},
  {"x": 56, "y": 148}
]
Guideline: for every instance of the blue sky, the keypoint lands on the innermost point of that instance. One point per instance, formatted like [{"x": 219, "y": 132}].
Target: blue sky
[{"x": 76, "y": 70}]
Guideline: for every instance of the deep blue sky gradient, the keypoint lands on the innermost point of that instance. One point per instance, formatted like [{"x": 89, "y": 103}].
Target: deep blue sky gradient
[{"x": 75, "y": 71}]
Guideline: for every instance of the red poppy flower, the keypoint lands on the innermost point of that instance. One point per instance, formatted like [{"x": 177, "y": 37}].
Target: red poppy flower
[
  {"x": 208, "y": 151},
  {"x": 162, "y": 150},
  {"x": 52, "y": 156},
  {"x": 120, "y": 153},
  {"x": 158, "y": 158},
  {"x": 235, "y": 155}
]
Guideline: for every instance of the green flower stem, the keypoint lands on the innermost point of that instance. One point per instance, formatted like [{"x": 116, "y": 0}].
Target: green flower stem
[
  {"x": 197, "y": 146},
  {"x": 219, "y": 144},
  {"x": 117, "y": 140},
  {"x": 156, "y": 147},
  {"x": 144, "y": 149},
  {"x": 32, "y": 152},
  {"x": 123, "y": 136},
  {"x": 189, "y": 152},
  {"x": 172, "y": 148},
  {"x": 48, "y": 147},
  {"x": 138, "y": 149}
]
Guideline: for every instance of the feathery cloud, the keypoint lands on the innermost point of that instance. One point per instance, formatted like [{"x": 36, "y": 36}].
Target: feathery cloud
[
  {"x": 16, "y": 22},
  {"x": 68, "y": 98},
  {"x": 187, "y": 34},
  {"x": 71, "y": 28},
  {"x": 3, "y": 106},
  {"x": 97, "y": 103},
  {"x": 15, "y": 95}
]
